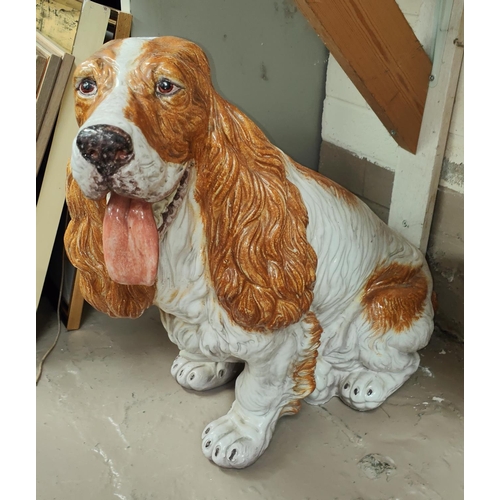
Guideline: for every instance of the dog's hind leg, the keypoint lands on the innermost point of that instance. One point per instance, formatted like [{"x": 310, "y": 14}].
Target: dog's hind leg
[
  {"x": 379, "y": 353},
  {"x": 388, "y": 361},
  {"x": 396, "y": 322},
  {"x": 276, "y": 377}
]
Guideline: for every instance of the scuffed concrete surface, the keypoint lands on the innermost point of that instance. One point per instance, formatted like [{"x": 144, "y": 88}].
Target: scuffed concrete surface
[
  {"x": 453, "y": 174},
  {"x": 112, "y": 423}
]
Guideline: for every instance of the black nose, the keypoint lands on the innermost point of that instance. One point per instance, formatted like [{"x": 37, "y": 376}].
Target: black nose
[{"x": 105, "y": 146}]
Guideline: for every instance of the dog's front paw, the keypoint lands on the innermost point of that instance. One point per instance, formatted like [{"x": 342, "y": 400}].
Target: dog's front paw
[
  {"x": 203, "y": 375},
  {"x": 236, "y": 440}
]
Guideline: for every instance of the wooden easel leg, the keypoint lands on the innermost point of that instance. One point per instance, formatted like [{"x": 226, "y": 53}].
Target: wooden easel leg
[{"x": 75, "y": 305}]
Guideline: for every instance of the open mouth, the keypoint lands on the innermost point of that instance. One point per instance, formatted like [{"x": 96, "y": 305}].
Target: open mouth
[{"x": 132, "y": 231}]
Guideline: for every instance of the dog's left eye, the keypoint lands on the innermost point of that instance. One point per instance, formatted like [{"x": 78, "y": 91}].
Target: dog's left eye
[
  {"x": 87, "y": 87},
  {"x": 166, "y": 87}
]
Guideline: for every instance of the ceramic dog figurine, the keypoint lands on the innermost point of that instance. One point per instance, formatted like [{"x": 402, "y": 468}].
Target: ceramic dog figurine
[{"x": 177, "y": 199}]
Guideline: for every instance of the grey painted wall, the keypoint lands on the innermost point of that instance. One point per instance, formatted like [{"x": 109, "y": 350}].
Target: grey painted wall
[{"x": 265, "y": 58}]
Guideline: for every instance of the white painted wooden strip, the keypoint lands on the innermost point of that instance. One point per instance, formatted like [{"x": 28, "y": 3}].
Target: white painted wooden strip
[
  {"x": 417, "y": 176},
  {"x": 89, "y": 38},
  {"x": 125, "y": 6}
]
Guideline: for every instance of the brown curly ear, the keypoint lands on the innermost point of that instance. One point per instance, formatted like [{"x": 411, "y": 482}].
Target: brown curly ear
[
  {"x": 83, "y": 242},
  {"x": 261, "y": 263}
]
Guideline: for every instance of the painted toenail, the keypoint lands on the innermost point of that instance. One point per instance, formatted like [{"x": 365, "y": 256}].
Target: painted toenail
[
  {"x": 216, "y": 451},
  {"x": 356, "y": 391},
  {"x": 370, "y": 392},
  {"x": 346, "y": 386},
  {"x": 191, "y": 377},
  {"x": 233, "y": 453},
  {"x": 208, "y": 443},
  {"x": 221, "y": 373}
]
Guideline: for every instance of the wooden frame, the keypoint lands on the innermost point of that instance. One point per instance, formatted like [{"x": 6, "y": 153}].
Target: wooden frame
[
  {"x": 120, "y": 24},
  {"x": 412, "y": 215},
  {"x": 94, "y": 27},
  {"x": 49, "y": 67},
  {"x": 377, "y": 49},
  {"x": 58, "y": 20},
  {"x": 50, "y": 91}
]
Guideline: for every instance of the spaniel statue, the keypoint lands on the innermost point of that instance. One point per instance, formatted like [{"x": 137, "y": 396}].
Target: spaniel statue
[{"x": 263, "y": 270}]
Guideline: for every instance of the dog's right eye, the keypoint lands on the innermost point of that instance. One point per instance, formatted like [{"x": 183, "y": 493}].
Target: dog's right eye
[
  {"x": 87, "y": 87},
  {"x": 165, "y": 87}
]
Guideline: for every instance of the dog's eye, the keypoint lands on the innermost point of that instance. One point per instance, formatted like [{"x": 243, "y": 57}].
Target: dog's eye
[
  {"x": 87, "y": 87},
  {"x": 166, "y": 87}
]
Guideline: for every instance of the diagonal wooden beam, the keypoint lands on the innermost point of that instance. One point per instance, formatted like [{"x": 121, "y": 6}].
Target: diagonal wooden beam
[{"x": 377, "y": 49}]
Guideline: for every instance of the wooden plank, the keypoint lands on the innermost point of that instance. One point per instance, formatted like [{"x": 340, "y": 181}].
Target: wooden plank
[
  {"x": 377, "y": 49},
  {"x": 52, "y": 110},
  {"x": 75, "y": 306},
  {"x": 41, "y": 64},
  {"x": 417, "y": 176},
  {"x": 89, "y": 38},
  {"x": 123, "y": 25},
  {"x": 48, "y": 83}
]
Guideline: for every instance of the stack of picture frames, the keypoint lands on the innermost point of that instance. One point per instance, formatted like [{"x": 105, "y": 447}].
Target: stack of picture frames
[
  {"x": 68, "y": 32},
  {"x": 53, "y": 69}
]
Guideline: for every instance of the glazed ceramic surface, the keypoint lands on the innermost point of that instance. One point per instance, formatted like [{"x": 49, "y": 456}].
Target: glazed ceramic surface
[{"x": 262, "y": 269}]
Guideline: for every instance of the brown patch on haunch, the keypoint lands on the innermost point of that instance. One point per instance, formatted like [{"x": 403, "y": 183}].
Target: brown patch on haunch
[
  {"x": 100, "y": 67},
  {"x": 303, "y": 374},
  {"x": 394, "y": 297},
  {"x": 172, "y": 125},
  {"x": 83, "y": 242},
  {"x": 338, "y": 191},
  {"x": 262, "y": 266}
]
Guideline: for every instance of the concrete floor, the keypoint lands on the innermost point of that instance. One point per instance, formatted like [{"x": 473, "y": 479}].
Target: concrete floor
[{"x": 111, "y": 422}]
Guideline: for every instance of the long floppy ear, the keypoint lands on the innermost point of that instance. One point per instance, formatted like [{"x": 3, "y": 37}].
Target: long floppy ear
[
  {"x": 262, "y": 266},
  {"x": 83, "y": 242}
]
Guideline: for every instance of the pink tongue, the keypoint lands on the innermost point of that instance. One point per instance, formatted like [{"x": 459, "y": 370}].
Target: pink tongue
[{"x": 130, "y": 241}]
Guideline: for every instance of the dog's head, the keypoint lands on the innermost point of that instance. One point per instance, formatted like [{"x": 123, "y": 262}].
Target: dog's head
[
  {"x": 142, "y": 107},
  {"x": 148, "y": 116}
]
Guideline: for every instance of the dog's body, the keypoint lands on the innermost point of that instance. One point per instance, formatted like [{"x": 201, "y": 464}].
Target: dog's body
[{"x": 249, "y": 256}]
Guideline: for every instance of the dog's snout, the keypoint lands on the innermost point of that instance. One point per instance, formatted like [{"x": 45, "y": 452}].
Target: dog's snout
[{"x": 107, "y": 147}]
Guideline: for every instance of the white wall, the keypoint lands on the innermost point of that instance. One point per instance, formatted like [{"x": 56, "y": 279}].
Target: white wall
[{"x": 349, "y": 122}]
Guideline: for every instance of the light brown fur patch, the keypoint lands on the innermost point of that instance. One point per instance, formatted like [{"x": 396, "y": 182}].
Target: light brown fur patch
[
  {"x": 394, "y": 297},
  {"x": 303, "y": 374},
  {"x": 262, "y": 266}
]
